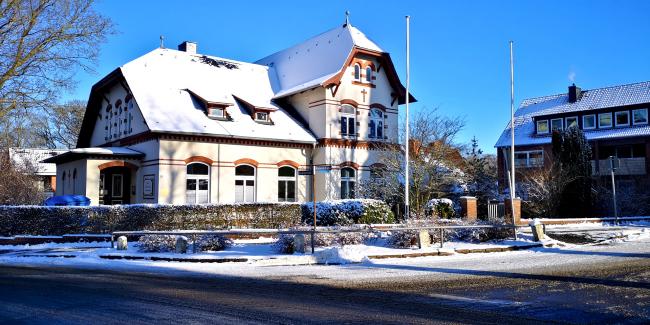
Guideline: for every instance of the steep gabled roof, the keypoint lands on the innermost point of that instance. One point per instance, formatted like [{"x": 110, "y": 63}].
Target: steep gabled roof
[{"x": 594, "y": 99}]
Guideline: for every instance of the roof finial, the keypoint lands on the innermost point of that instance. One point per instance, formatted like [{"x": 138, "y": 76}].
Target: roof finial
[
  {"x": 347, "y": 18},
  {"x": 162, "y": 45}
]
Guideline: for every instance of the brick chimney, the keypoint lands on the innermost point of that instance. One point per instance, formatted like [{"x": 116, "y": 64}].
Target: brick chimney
[
  {"x": 189, "y": 47},
  {"x": 574, "y": 93}
]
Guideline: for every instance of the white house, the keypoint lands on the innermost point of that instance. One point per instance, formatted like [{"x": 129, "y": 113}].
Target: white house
[
  {"x": 28, "y": 160},
  {"x": 176, "y": 126}
]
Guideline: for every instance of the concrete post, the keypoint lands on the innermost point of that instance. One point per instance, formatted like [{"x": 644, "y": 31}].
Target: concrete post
[
  {"x": 509, "y": 217},
  {"x": 181, "y": 244},
  {"x": 468, "y": 208},
  {"x": 122, "y": 243},
  {"x": 299, "y": 243},
  {"x": 537, "y": 228},
  {"x": 424, "y": 239}
]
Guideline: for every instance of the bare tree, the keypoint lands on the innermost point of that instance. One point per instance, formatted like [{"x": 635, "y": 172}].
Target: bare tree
[
  {"x": 434, "y": 162},
  {"x": 42, "y": 45},
  {"x": 64, "y": 122},
  {"x": 17, "y": 185}
]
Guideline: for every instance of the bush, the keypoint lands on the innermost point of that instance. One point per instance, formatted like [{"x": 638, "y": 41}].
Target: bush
[
  {"x": 441, "y": 208},
  {"x": 403, "y": 239},
  {"x": 156, "y": 243},
  {"x": 409, "y": 238},
  {"x": 42, "y": 220},
  {"x": 284, "y": 244},
  {"x": 212, "y": 243},
  {"x": 346, "y": 212}
]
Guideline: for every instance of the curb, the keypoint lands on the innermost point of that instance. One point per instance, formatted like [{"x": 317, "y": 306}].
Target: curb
[{"x": 447, "y": 252}]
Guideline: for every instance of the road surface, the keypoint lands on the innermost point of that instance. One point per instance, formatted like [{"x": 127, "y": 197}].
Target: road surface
[{"x": 597, "y": 284}]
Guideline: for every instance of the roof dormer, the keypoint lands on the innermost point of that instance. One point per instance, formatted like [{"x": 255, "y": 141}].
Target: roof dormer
[
  {"x": 216, "y": 110},
  {"x": 259, "y": 114}
]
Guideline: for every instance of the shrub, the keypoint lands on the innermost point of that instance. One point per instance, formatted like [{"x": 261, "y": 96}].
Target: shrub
[
  {"x": 42, "y": 220},
  {"x": 441, "y": 208},
  {"x": 212, "y": 243},
  {"x": 345, "y": 212},
  {"x": 284, "y": 244},
  {"x": 156, "y": 243},
  {"x": 403, "y": 239}
]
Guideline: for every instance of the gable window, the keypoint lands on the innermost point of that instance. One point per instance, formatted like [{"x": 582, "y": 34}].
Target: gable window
[
  {"x": 262, "y": 116},
  {"x": 640, "y": 116},
  {"x": 217, "y": 112},
  {"x": 376, "y": 124},
  {"x": 287, "y": 184},
  {"x": 529, "y": 159},
  {"x": 556, "y": 124},
  {"x": 605, "y": 120},
  {"x": 542, "y": 127},
  {"x": 348, "y": 120},
  {"x": 589, "y": 122},
  {"x": 244, "y": 183},
  {"x": 622, "y": 118},
  {"x": 197, "y": 183},
  {"x": 571, "y": 122},
  {"x": 368, "y": 74},
  {"x": 357, "y": 72},
  {"x": 348, "y": 182}
]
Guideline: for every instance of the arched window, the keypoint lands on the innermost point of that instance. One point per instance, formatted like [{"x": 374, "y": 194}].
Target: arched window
[
  {"x": 348, "y": 120},
  {"x": 286, "y": 184},
  {"x": 348, "y": 182},
  {"x": 244, "y": 183},
  {"x": 357, "y": 72},
  {"x": 369, "y": 74},
  {"x": 197, "y": 183},
  {"x": 376, "y": 125}
]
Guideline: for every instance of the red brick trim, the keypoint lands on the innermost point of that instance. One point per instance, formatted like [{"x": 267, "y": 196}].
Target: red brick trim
[
  {"x": 350, "y": 102},
  {"x": 117, "y": 163},
  {"x": 201, "y": 159},
  {"x": 349, "y": 164},
  {"x": 363, "y": 84},
  {"x": 246, "y": 161},
  {"x": 377, "y": 105},
  {"x": 288, "y": 163}
]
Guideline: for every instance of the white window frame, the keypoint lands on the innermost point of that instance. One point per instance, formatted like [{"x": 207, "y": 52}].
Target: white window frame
[
  {"x": 566, "y": 121},
  {"x": 646, "y": 116},
  {"x": 561, "y": 123},
  {"x": 198, "y": 178},
  {"x": 287, "y": 179},
  {"x": 528, "y": 163},
  {"x": 611, "y": 119},
  {"x": 357, "y": 72},
  {"x": 215, "y": 109},
  {"x": 548, "y": 126},
  {"x": 246, "y": 178},
  {"x": 376, "y": 124},
  {"x": 348, "y": 116},
  {"x": 584, "y": 125},
  {"x": 616, "y": 118},
  {"x": 267, "y": 114},
  {"x": 350, "y": 183}
]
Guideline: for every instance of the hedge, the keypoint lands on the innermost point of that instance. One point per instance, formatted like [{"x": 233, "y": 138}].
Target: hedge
[
  {"x": 345, "y": 212},
  {"x": 41, "y": 220}
]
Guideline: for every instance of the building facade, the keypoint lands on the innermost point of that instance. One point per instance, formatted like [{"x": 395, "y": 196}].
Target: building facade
[
  {"x": 29, "y": 161},
  {"x": 179, "y": 127},
  {"x": 614, "y": 121}
]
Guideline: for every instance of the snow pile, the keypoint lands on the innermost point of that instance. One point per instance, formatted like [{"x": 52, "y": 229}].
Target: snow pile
[{"x": 340, "y": 255}]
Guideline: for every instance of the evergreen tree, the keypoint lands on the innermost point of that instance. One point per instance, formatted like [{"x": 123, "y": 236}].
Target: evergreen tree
[
  {"x": 481, "y": 177},
  {"x": 572, "y": 160}
]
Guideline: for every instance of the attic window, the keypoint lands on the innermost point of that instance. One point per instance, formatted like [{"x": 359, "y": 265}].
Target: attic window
[
  {"x": 216, "y": 112},
  {"x": 262, "y": 116}
]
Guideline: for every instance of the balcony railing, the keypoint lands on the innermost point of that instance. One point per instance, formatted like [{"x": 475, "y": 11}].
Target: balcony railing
[{"x": 627, "y": 166}]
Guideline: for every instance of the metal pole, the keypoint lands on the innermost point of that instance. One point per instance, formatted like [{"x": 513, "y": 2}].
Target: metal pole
[
  {"x": 442, "y": 237},
  {"x": 313, "y": 195},
  {"x": 512, "y": 136},
  {"x": 407, "y": 136},
  {"x": 614, "y": 189}
]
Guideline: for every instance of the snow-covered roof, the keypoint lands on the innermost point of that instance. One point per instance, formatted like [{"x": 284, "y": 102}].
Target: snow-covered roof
[
  {"x": 31, "y": 158},
  {"x": 76, "y": 153},
  {"x": 163, "y": 82},
  {"x": 594, "y": 99},
  {"x": 308, "y": 64}
]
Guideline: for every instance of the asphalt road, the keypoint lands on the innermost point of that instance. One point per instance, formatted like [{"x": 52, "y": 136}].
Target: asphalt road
[{"x": 613, "y": 288}]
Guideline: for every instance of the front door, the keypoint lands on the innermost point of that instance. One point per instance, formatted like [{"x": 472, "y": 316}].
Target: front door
[{"x": 114, "y": 186}]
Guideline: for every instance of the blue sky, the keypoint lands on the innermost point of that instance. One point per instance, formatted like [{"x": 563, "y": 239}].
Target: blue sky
[{"x": 459, "y": 49}]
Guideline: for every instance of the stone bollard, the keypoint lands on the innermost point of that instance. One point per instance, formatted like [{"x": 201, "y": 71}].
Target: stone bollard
[
  {"x": 122, "y": 243},
  {"x": 299, "y": 243},
  {"x": 468, "y": 208},
  {"x": 424, "y": 239},
  {"x": 181, "y": 245},
  {"x": 537, "y": 228}
]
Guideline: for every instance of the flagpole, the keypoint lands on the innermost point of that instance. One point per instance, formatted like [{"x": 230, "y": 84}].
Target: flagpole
[
  {"x": 406, "y": 141},
  {"x": 512, "y": 132}
]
